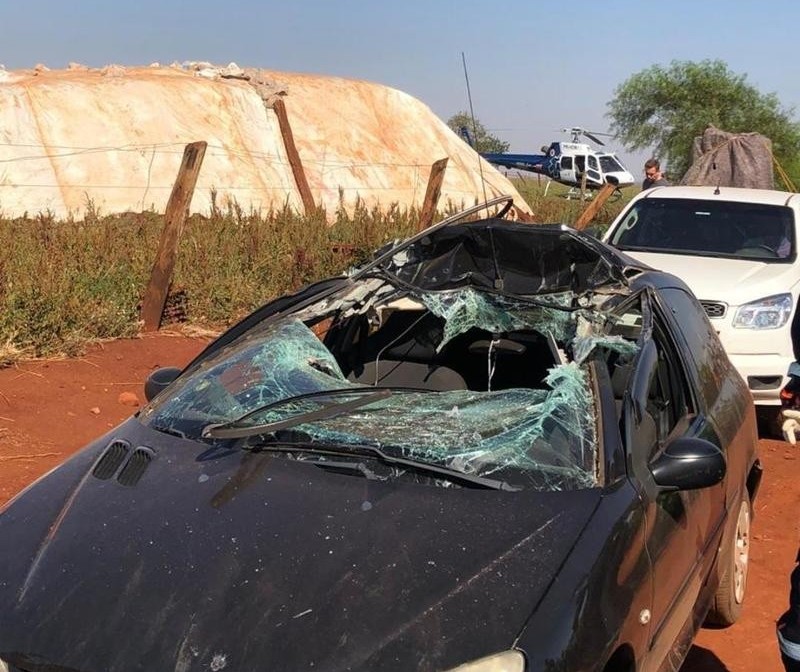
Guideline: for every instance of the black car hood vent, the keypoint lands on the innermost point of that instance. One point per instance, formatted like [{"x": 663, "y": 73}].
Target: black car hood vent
[
  {"x": 135, "y": 467},
  {"x": 118, "y": 454},
  {"x": 112, "y": 458}
]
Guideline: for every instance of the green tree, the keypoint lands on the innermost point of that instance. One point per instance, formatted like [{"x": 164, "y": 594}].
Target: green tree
[
  {"x": 664, "y": 108},
  {"x": 482, "y": 139}
]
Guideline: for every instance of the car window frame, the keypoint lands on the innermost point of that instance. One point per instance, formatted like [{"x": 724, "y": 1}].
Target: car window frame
[
  {"x": 707, "y": 384},
  {"x": 635, "y": 402},
  {"x": 671, "y": 373}
]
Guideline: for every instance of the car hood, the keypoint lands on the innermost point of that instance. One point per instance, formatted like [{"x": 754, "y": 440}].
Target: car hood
[
  {"x": 734, "y": 281},
  {"x": 210, "y": 560}
]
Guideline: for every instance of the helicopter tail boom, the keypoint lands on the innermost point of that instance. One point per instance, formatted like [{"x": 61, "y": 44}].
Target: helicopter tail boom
[{"x": 531, "y": 162}]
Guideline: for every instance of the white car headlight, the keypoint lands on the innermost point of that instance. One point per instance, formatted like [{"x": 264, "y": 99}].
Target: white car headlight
[
  {"x": 508, "y": 661},
  {"x": 771, "y": 312}
]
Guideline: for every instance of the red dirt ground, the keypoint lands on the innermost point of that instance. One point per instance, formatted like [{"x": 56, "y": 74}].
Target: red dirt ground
[{"x": 49, "y": 409}]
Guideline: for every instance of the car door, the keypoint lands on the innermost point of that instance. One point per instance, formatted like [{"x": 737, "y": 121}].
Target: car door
[
  {"x": 593, "y": 172},
  {"x": 683, "y": 527}
]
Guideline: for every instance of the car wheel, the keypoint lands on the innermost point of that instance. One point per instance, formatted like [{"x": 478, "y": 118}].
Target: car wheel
[{"x": 735, "y": 557}]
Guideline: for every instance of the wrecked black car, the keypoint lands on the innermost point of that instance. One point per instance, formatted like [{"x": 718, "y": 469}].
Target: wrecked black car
[{"x": 496, "y": 446}]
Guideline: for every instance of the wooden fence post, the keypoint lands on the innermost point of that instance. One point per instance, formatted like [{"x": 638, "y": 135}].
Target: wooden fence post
[
  {"x": 594, "y": 206},
  {"x": 293, "y": 156},
  {"x": 174, "y": 217},
  {"x": 432, "y": 193}
]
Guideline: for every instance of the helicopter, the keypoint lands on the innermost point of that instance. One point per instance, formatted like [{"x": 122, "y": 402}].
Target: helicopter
[{"x": 573, "y": 163}]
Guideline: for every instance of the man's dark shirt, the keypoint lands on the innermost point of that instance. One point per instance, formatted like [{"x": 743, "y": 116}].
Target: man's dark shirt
[{"x": 647, "y": 183}]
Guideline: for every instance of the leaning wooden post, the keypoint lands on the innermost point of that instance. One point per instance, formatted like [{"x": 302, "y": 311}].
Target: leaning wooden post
[
  {"x": 294, "y": 156},
  {"x": 432, "y": 193},
  {"x": 174, "y": 217},
  {"x": 594, "y": 206}
]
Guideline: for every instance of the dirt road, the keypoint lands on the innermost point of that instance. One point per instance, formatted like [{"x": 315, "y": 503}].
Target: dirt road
[{"x": 50, "y": 409}]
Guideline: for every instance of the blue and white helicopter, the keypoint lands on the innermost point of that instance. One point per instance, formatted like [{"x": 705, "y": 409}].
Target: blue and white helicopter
[{"x": 574, "y": 163}]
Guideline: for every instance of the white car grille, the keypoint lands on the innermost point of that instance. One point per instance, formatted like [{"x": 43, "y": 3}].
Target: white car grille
[{"x": 714, "y": 309}]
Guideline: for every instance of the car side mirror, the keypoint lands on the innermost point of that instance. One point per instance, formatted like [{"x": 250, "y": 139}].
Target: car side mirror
[
  {"x": 159, "y": 380},
  {"x": 689, "y": 464}
]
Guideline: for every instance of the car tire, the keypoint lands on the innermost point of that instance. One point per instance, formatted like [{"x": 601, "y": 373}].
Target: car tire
[{"x": 735, "y": 558}]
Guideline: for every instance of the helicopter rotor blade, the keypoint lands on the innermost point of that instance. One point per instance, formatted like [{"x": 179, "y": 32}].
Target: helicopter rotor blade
[{"x": 593, "y": 138}]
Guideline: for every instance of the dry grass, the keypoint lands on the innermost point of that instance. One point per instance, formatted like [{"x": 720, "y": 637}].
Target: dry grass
[{"x": 64, "y": 284}]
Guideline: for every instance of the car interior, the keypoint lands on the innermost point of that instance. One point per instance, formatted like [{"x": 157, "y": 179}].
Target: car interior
[{"x": 404, "y": 352}]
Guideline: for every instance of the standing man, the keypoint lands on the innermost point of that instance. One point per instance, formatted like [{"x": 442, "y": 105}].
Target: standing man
[{"x": 653, "y": 177}]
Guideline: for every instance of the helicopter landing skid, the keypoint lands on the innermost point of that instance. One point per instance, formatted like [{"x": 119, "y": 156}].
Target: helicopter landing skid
[{"x": 575, "y": 192}]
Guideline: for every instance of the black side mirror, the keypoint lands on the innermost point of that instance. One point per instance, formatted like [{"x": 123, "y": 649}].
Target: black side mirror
[
  {"x": 159, "y": 380},
  {"x": 689, "y": 464}
]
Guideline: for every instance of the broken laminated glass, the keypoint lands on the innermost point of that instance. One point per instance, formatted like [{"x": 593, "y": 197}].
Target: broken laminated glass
[
  {"x": 590, "y": 335},
  {"x": 548, "y": 433},
  {"x": 283, "y": 360},
  {"x": 540, "y": 428},
  {"x": 467, "y": 308}
]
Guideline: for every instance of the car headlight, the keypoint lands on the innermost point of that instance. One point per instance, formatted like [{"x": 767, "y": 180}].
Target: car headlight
[
  {"x": 771, "y": 312},
  {"x": 508, "y": 661}
]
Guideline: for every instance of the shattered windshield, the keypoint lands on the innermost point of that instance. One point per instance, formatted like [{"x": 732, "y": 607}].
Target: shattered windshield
[
  {"x": 709, "y": 228},
  {"x": 471, "y": 380}
]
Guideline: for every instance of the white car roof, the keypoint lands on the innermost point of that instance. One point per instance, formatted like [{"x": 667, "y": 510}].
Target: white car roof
[{"x": 765, "y": 196}]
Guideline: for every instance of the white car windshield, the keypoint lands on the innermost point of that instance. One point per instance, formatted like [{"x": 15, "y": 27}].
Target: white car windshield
[{"x": 709, "y": 228}]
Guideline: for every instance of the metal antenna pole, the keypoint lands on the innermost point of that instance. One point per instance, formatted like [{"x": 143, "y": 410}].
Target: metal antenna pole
[{"x": 474, "y": 127}]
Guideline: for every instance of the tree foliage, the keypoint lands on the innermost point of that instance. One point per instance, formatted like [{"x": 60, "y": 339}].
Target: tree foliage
[
  {"x": 666, "y": 107},
  {"x": 483, "y": 141}
]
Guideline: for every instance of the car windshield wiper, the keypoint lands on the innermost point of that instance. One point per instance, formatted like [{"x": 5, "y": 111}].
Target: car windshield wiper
[
  {"x": 355, "y": 450},
  {"x": 364, "y": 396}
]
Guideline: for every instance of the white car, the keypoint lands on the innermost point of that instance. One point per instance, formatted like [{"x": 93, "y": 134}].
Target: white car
[{"x": 737, "y": 251}]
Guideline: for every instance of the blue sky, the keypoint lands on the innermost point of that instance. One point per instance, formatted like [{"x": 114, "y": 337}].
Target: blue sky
[{"x": 534, "y": 67}]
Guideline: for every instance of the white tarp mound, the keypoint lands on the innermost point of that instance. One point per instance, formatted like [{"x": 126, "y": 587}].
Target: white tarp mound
[{"x": 113, "y": 139}]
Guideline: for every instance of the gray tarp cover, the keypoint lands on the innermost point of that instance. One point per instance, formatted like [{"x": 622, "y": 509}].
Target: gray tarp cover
[{"x": 731, "y": 160}]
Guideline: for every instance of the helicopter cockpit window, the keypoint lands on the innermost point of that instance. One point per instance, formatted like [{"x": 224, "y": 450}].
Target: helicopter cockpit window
[
  {"x": 609, "y": 164},
  {"x": 593, "y": 162},
  {"x": 566, "y": 163}
]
